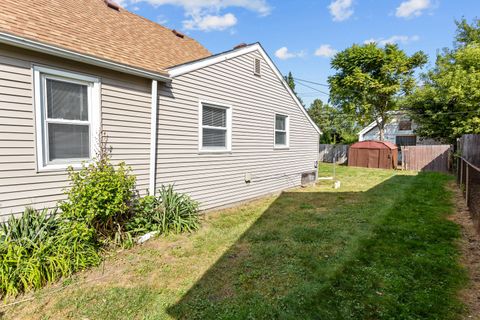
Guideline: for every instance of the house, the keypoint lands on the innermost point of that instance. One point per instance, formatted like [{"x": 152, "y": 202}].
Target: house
[
  {"x": 224, "y": 128},
  {"x": 399, "y": 130}
]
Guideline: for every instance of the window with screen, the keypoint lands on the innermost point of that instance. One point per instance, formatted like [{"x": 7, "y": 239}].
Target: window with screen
[
  {"x": 281, "y": 131},
  {"x": 215, "y": 131},
  {"x": 65, "y": 119}
]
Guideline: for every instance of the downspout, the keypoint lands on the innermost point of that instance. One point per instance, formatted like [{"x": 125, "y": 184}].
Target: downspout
[{"x": 153, "y": 138}]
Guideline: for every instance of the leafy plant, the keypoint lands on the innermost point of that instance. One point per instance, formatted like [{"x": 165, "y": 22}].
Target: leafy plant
[
  {"x": 101, "y": 195},
  {"x": 169, "y": 212},
  {"x": 39, "y": 247},
  {"x": 32, "y": 226}
]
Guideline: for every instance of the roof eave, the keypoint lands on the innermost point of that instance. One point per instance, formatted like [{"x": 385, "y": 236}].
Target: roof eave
[
  {"x": 205, "y": 62},
  {"x": 76, "y": 56}
]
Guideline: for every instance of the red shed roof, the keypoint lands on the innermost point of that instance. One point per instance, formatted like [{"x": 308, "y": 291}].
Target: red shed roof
[{"x": 372, "y": 144}]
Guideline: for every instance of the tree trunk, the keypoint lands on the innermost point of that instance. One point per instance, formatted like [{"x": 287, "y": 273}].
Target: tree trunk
[{"x": 381, "y": 128}]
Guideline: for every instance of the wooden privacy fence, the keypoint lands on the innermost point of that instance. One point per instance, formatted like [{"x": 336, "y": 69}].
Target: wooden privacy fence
[
  {"x": 468, "y": 178},
  {"x": 468, "y": 173},
  {"x": 426, "y": 158},
  {"x": 469, "y": 148},
  {"x": 327, "y": 152}
]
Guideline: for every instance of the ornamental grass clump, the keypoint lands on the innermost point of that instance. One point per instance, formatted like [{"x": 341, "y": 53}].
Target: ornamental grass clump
[
  {"x": 40, "y": 247},
  {"x": 169, "y": 212}
]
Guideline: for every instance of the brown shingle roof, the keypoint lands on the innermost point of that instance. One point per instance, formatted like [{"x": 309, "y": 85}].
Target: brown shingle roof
[{"x": 91, "y": 27}]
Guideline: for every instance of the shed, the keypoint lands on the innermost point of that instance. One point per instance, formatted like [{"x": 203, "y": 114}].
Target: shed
[{"x": 373, "y": 154}]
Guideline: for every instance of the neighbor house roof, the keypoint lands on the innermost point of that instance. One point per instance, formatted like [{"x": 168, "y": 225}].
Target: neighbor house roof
[
  {"x": 373, "y": 124},
  {"x": 93, "y": 28}
]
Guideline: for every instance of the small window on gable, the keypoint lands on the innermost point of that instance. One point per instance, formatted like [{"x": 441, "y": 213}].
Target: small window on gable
[
  {"x": 257, "y": 66},
  {"x": 405, "y": 124},
  {"x": 281, "y": 131},
  {"x": 66, "y": 117},
  {"x": 215, "y": 128}
]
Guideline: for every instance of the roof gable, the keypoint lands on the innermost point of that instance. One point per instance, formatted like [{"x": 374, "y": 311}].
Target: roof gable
[
  {"x": 205, "y": 62},
  {"x": 91, "y": 27}
]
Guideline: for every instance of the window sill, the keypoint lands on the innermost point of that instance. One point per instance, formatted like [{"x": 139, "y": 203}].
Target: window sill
[
  {"x": 214, "y": 151},
  {"x": 281, "y": 148},
  {"x": 61, "y": 167}
]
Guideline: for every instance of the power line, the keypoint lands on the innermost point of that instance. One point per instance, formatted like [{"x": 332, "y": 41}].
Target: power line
[
  {"x": 322, "y": 92},
  {"x": 312, "y": 82}
]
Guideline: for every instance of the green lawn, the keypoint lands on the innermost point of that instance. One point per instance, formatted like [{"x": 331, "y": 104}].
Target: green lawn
[{"x": 380, "y": 247}]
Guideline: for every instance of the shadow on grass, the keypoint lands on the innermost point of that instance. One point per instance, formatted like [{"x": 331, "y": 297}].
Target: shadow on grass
[{"x": 388, "y": 252}]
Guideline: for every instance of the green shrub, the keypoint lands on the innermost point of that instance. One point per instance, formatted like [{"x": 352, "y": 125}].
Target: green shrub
[
  {"x": 101, "y": 196},
  {"x": 169, "y": 212},
  {"x": 38, "y": 248}
]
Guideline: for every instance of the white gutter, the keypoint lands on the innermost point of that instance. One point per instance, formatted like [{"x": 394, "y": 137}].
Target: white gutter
[
  {"x": 72, "y": 55},
  {"x": 153, "y": 138}
]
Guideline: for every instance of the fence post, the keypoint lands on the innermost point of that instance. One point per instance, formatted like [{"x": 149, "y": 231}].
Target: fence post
[
  {"x": 461, "y": 172},
  {"x": 466, "y": 185}
]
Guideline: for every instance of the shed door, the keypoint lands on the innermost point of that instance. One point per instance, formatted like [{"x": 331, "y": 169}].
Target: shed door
[{"x": 373, "y": 156}]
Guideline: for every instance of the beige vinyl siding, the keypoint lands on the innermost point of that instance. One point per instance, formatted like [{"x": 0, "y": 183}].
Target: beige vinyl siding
[
  {"x": 125, "y": 116},
  {"x": 219, "y": 179}
]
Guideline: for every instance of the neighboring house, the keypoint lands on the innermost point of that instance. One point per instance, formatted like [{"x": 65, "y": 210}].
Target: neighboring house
[
  {"x": 400, "y": 130},
  {"x": 224, "y": 128}
]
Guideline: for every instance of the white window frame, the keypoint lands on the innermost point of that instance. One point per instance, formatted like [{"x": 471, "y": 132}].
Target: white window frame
[
  {"x": 287, "y": 131},
  {"x": 228, "y": 128},
  {"x": 40, "y": 75}
]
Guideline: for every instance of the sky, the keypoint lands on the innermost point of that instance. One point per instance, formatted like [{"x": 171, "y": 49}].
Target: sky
[{"x": 302, "y": 36}]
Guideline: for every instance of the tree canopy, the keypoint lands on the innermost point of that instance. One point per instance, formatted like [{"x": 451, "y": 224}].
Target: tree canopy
[
  {"x": 448, "y": 104},
  {"x": 335, "y": 126},
  {"x": 291, "y": 83},
  {"x": 369, "y": 79}
]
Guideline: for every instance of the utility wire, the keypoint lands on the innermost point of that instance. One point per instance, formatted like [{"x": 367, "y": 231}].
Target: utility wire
[{"x": 320, "y": 91}]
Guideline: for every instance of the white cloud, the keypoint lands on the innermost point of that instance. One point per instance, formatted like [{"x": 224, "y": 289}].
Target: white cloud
[
  {"x": 122, "y": 3},
  {"x": 341, "y": 9},
  {"x": 190, "y": 6},
  {"x": 206, "y": 15},
  {"x": 394, "y": 39},
  {"x": 161, "y": 19},
  {"x": 284, "y": 54},
  {"x": 412, "y": 8},
  {"x": 210, "y": 22},
  {"x": 325, "y": 50}
]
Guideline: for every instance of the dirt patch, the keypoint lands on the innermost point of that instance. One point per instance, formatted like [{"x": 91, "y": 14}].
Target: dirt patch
[{"x": 470, "y": 248}]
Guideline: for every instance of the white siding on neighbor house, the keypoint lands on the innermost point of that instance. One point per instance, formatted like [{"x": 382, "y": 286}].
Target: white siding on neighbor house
[
  {"x": 219, "y": 179},
  {"x": 391, "y": 130},
  {"x": 125, "y": 110}
]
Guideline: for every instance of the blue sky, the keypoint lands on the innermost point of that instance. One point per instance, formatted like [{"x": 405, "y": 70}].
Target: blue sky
[{"x": 301, "y": 36}]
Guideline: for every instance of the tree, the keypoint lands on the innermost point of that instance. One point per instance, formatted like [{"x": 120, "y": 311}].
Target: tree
[
  {"x": 291, "y": 83},
  {"x": 448, "y": 104},
  {"x": 370, "y": 79},
  {"x": 335, "y": 126},
  {"x": 467, "y": 34}
]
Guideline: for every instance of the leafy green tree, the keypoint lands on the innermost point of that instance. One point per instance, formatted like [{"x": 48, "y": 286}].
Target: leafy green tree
[
  {"x": 336, "y": 127},
  {"x": 291, "y": 83},
  {"x": 369, "y": 80},
  {"x": 467, "y": 34},
  {"x": 448, "y": 104}
]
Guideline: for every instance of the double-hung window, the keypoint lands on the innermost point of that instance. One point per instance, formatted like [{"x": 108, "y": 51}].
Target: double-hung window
[
  {"x": 281, "y": 131},
  {"x": 67, "y": 109},
  {"x": 215, "y": 127}
]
